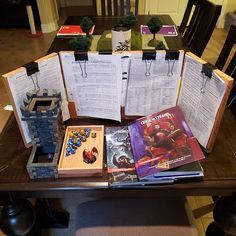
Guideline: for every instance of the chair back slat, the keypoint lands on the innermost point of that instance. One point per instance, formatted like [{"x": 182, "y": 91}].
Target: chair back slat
[
  {"x": 228, "y": 45},
  {"x": 136, "y": 7},
  {"x": 205, "y": 28},
  {"x": 231, "y": 68},
  {"x": 186, "y": 16},
  {"x": 109, "y": 7},
  {"x": 201, "y": 25},
  {"x": 103, "y": 7},
  {"x": 122, "y": 5},
  {"x": 193, "y": 26},
  {"x": 127, "y": 7},
  {"x": 116, "y": 7}
]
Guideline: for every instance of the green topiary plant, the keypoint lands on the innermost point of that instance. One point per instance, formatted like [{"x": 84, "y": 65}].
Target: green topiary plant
[
  {"x": 83, "y": 42},
  {"x": 154, "y": 25},
  {"x": 86, "y": 24},
  {"x": 80, "y": 43},
  {"x": 129, "y": 21}
]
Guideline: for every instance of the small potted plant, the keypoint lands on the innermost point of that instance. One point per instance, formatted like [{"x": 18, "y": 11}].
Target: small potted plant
[
  {"x": 154, "y": 25},
  {"x": 80, "y": 43},
  {"x": 129, "y": 21},
  {"x": 83, "y": 42},
  {"x": 86, "y": 24}
]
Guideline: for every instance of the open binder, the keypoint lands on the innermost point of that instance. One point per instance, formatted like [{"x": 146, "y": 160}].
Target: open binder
[{"x": 98, "y": 84}]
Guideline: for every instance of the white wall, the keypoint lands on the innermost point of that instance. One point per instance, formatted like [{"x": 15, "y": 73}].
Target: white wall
[{"x": 227, "y": 6}]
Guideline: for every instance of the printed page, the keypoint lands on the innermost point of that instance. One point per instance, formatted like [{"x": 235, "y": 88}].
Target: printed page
[
  {"x": 200, "y": 98},
  {"x": 49, "y": 77},
  {"x": 153, "y": 84},
  {"x": 94, "y": 85}
]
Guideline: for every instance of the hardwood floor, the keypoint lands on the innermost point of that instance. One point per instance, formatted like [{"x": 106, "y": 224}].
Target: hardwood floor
[{"x": 17, "y": 49}]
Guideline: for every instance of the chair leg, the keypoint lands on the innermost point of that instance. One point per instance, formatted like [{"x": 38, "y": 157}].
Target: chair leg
[{"x": 215, "y": 198}]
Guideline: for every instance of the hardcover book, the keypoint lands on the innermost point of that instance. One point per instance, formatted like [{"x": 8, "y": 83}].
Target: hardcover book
[
  {"x": 120, "y": 162},
  {"x": 166, "y": 30},
  {"x": 188, "y": 171},
  {"x": 162, "y": 141},
  {"x": 72, "y": 30},
  {"x": 121, "y": 166}
]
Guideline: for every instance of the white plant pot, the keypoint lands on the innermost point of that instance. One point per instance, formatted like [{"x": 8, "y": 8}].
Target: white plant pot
[{"x": 121, "y": 38}]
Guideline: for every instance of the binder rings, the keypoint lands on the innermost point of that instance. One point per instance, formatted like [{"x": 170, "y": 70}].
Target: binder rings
[{"x": 98, "y": 84}]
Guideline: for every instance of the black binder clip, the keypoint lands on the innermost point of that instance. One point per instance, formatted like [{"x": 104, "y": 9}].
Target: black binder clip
[
  {"x": 82, "y": 56},
  {"x": 149, "y": 56},
  {"x": 31, "y": 68},
  {"x": 105, "y": 52},
  {"x": 207, "y": 70},
  {"x": 171, "y": 55}
]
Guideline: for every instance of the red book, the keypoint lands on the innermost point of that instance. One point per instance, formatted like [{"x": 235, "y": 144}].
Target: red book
[
  {"x": 72, "y": 30},
  {"x": 162, "y": 141}
]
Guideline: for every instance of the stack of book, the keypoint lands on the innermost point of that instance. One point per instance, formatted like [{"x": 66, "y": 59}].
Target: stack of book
[{"x": 156, "y": 149}]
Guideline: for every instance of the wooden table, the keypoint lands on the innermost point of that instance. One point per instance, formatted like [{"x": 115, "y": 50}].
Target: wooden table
[
  {"x": 219, "y": 169},
  {"x": 219, "y": 173},
  {"x": 219, "y": 166},
  {"x": 106, "y": 23}
]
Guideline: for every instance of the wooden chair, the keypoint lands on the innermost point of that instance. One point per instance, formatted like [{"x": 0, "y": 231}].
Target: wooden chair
[
  {"x": 197, "y": 33},
  {"x": 115, "y": 7},
  {"x": 231, "y": 68},
  {"x": 169, "y": 216}
]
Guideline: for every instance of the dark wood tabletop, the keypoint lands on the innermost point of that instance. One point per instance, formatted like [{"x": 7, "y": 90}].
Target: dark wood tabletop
[
  {"x": 106, "y": 23},
  {"x": 219, "y": 166},
  {"x": 219, "y": 169}
]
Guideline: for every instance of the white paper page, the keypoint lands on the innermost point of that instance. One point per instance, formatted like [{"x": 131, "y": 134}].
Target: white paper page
[
  {"x": 99, "y": 93},
  {"x": 49, "y": 77},
  {"x": 200, "y": 98},
  {"x": 157, "y": 91}
]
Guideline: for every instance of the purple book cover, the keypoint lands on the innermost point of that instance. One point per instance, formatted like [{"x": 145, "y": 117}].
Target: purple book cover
[
  {"x": 162, "y": 141},
  {"x": 166, "y": 30}
]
